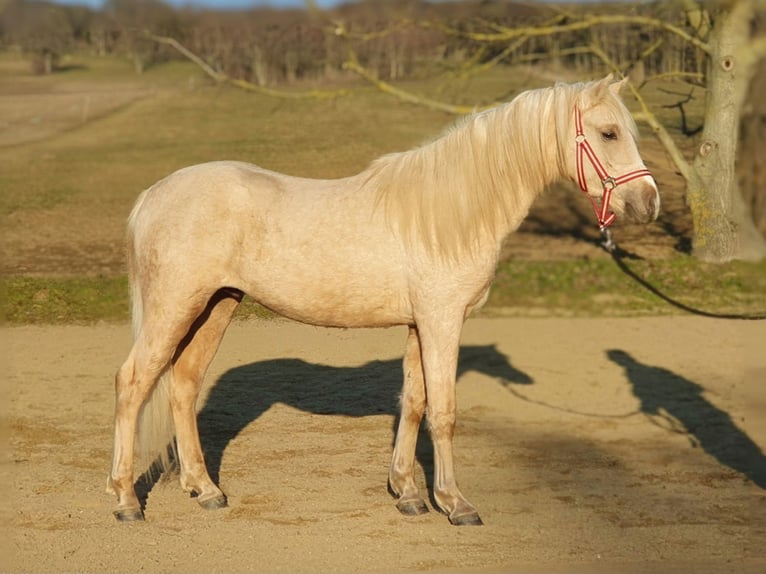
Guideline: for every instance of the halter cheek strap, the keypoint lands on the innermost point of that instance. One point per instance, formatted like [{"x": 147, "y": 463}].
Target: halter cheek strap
[{"x": 608, "y": 183}]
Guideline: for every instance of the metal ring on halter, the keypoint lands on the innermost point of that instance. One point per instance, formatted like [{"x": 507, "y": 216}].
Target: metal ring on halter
[{"x": 608, "y": 181}]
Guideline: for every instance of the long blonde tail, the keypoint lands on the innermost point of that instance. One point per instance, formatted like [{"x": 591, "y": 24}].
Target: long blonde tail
[{"x": 155, "y": 445}]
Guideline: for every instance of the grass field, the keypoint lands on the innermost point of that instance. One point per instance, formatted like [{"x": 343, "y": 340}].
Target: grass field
[{"x": 77, "y": 147}]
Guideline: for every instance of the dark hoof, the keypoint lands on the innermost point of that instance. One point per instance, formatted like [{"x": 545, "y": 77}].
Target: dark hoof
[
  {"x": 214, "y": 503},
  {"x": 471, "y": 519},
  {"x": 412, "y": 507},
  {"x": 129, "y": 515}
]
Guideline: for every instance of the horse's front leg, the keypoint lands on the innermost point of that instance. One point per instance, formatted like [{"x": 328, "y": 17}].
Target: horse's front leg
[
  {"x": 440, "y": 346},
  {"x": 401, "y": 477}
]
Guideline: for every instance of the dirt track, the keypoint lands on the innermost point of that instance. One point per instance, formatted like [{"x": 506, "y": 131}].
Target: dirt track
[{"x": 592, "y": 445}]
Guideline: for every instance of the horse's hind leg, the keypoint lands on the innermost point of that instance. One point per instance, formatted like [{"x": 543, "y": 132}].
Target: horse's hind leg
[
  {"x": 149, "y": 357},
  {"x": 152, "y": 352},
  {"x": 191, "y": 361},
  {"x": 401, "y": 477}
]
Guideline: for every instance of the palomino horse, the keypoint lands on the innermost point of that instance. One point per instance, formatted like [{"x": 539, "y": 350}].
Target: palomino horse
[{"x": 412, "y": 240}]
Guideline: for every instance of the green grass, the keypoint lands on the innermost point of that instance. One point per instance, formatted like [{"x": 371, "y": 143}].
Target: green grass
[
  {"x": 522, "y": 288},
  {"x": 64, "y": 300},
  {"x": 598, "y": 287},
  {"x": 78, "y": 300}
]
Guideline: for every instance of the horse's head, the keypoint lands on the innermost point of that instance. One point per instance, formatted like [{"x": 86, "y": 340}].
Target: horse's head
[{"x": 602, "y": 157}]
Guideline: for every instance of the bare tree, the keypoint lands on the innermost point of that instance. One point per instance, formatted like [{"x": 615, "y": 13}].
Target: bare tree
[
  {"x": 131, "y": 18},
  {"x": 42, "y": 30},
  {"x": 725, "y": 39}
]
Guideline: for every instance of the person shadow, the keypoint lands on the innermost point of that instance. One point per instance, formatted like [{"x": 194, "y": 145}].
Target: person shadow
[
  {"x": 242, "y": 394},
  {"x": 681, "y": 402}
]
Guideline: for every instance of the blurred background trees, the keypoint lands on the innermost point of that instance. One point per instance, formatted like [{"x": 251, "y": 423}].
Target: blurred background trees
[
  {"x": 395, "y": 39},
  {"x": 685, "y": 42}
]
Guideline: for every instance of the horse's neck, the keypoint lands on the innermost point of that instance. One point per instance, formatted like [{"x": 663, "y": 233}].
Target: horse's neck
[
  {"x": 473, "y": 186},
  {"x": 524, "y": 137}
]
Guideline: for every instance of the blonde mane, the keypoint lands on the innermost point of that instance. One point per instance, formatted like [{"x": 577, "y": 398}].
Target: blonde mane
[{"x": 480, "y": 177}]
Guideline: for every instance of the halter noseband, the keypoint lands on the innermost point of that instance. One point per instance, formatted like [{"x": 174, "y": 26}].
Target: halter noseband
[{"x": 608, "y": 183}]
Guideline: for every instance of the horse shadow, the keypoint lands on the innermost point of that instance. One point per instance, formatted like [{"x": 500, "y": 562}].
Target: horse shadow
[
  {"x": 663, "y": 393},
  {"x": 242, "y": 394}
]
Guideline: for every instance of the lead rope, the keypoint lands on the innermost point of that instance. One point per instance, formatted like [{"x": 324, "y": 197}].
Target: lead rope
[{"x": 617, "y": 256}]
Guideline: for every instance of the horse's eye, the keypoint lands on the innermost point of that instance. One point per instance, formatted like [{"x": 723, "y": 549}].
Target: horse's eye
[{"x": 609, "y": 135}]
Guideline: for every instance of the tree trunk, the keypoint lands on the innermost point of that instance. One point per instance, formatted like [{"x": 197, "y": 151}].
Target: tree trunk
[{"x": 723, "y": 227}]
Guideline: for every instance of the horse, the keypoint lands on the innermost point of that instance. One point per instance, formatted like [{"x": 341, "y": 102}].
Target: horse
[{"x": 412, "y": 240}]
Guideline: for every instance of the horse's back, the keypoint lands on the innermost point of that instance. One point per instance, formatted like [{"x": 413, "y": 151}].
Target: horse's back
[{"x": 201, "y": 186}]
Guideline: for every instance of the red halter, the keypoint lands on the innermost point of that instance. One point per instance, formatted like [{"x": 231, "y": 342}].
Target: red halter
[{"x": 605, "y": 217}]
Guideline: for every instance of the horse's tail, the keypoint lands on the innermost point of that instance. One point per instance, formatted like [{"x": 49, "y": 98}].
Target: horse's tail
[{"x": 155, "y": 445}]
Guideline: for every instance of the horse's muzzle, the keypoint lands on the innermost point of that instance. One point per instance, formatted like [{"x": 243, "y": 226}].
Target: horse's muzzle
[{"x": 642, "y": 203}]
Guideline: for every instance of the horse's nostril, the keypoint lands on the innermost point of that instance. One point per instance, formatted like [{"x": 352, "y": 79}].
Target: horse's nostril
[
  {"x": 651, "y": 201},
  {"x": 630, "y": 212}
]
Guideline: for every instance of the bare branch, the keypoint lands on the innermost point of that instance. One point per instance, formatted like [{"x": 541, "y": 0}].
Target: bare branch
[
  {"x": 552, "y": 54},
  {"x": 682, "y": 75},
  {"x": 240, "y": 83},
  {"x": 685, "y": 129},
  {"x": 647, "y": 116},
  {"x": 504, "y": 33},
  {"x": 340, "y": 30},
  {"x": 473, "y": 67},
  {"x": 651, "y": 50},
  {"x": 510, "y": 48},
  {"x": 187, "y": 54},
  {"x": 352, "y": 64}
]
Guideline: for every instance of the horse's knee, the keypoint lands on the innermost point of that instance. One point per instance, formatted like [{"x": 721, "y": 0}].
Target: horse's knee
[
  {"x": 412, "y": 407},
  {"x": 441, "y": 424}
]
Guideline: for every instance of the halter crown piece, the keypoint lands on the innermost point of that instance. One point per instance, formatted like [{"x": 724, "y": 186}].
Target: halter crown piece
[{"x": 608, "y": 183}]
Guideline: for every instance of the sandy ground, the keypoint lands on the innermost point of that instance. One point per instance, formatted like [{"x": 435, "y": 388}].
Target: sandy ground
[{"x": 589, "y": 445}]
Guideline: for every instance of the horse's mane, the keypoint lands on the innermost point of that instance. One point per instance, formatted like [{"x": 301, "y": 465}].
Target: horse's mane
[{"x": 481, "y": 175}]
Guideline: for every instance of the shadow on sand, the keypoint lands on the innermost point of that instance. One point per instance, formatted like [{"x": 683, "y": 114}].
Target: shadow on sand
[
  {"x": 243, "y": 394},
  {"x": 663, "y": 393}
]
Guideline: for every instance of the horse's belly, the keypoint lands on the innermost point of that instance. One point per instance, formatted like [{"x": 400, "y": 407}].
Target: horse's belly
[
  {"x": 326, "y": 306},
  {"x": 334, "y": 292}
]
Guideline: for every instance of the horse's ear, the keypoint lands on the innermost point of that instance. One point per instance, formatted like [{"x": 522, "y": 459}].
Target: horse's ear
[
  {"x": 602, "y": 86},
  {"x": 617, "y": 87},
  {"x": 596, "y": 92}
]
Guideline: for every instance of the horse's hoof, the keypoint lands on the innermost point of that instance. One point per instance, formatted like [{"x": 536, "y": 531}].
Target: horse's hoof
[
  {"x": 470, "y": 519},
  {"x": 214, "y": 502},
  {"x": 129, "y": 515},
  {"x": 412, "y": 507}
]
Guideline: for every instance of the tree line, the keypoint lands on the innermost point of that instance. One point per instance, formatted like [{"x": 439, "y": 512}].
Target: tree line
[{"x": 394, "y": 40}]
